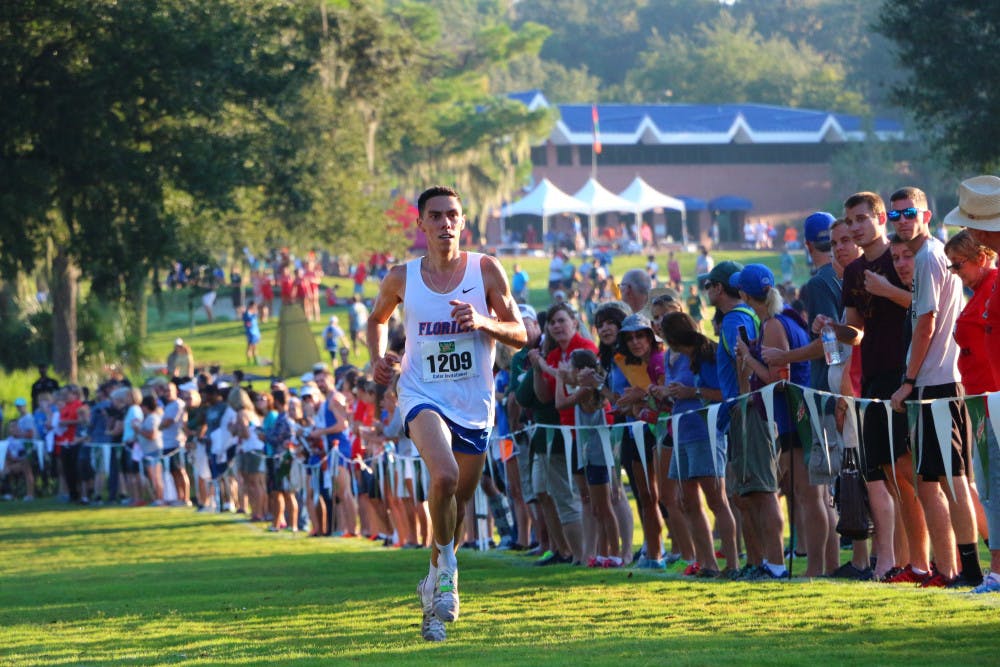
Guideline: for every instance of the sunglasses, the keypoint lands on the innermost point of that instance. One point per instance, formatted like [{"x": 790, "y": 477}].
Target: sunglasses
[
  {"x": 957, "y": 265},
  {"x": 709, "y": 284},
  {"x": 908, "y": 213}
]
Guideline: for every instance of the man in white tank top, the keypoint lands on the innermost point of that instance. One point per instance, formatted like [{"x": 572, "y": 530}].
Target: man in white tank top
[{"x": 457, "y": 305}]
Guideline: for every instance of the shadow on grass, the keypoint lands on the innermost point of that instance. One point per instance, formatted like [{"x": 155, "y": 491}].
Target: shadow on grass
[{"x": 209, "y": 590}]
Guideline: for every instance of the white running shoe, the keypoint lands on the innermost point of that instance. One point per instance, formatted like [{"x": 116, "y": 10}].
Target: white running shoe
[
  {"x": 431, "y": 628},
  {"x": 446, "y": 596}
]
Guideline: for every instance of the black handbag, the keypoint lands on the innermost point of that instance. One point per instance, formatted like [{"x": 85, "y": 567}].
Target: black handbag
[{"x": 851, "y": 499}]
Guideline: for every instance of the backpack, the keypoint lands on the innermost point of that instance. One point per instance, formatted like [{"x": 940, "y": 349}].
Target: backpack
[{"x": 746, "y": 310}]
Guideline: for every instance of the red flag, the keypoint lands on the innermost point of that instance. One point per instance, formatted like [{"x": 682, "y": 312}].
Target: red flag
[{"x": 597, "y": 129}]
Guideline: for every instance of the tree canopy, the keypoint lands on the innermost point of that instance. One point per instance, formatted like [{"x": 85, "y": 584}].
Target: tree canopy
[
  {"x": 947, "y": 52},
  {"x": 133, "y": 132}
]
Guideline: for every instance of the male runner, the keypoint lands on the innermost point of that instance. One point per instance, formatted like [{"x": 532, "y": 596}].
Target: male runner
[{"x": 456, "y": 305}]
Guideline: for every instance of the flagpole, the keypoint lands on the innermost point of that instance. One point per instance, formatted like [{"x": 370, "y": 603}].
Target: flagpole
[{"x": 594, "y": 150}]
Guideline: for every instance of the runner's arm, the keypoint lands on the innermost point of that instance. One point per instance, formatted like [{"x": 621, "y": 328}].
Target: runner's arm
[
  {"x": 390, "y": 295},
  {"x": 506, "y": 327}
]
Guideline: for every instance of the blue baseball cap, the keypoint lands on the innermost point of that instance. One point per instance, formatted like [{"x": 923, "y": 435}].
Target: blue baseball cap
[
  {"x": 754, "y": 279},
  {"x": 817, "y": 228}
]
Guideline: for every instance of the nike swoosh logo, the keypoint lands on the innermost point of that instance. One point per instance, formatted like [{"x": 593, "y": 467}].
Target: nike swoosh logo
[{"x": 466, "y": 291}]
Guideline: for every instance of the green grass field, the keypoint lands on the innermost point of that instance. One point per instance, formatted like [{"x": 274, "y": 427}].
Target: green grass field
[{"x": 145, "y": 586}]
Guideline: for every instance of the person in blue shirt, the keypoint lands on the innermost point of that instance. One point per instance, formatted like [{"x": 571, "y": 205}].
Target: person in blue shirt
[
  {"x": 333, "y": 339},
  {"x": 252, "y": 330},
  {"x": 755, "y": 482},
  {"x": 692, "y": 381},
  {"x": 757, "y": 471},
  {"x": 519, "y": 284}
]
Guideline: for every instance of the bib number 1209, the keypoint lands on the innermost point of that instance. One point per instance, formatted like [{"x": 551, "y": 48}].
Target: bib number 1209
[{"x": 450, "y": 363}]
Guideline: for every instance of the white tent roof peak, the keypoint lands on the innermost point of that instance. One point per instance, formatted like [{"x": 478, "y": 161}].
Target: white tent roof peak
[
  {"x": 545, "y": 200},
  {"x": 601, "y": 200},
  {"x": 645, "y": 197}
]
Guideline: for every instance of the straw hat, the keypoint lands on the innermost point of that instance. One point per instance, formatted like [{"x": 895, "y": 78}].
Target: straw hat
[{"x": 978, "y": 204}]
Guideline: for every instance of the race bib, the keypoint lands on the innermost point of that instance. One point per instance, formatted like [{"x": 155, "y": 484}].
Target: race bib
[{"x": 442, "y": 360}]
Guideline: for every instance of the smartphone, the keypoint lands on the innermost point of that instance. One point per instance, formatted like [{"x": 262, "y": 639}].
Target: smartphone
[{"x": 743, "y": 334}]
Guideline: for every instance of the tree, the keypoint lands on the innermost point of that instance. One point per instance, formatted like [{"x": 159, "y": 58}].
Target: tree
[
  {"x": 729, "y": 61},
  {"x": 840, "y": 30},
  {"x": 450, "y": 126},
  {"x": 110, "y": 105},
  {"x": 948, "y": 50}
]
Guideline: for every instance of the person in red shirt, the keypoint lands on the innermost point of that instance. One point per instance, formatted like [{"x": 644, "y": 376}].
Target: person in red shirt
[
  {"x": 312, "y": 277},
  {"x": 975, "y": 265},
  {"x": 362, "y": 419},
  {"x": 978, "y": 211},
  {"x": 286, "y": 286},
  {"x": 360, "y": 273},
  {"x": 70, "y": 417},
  {"x": 562, "y": 326}
]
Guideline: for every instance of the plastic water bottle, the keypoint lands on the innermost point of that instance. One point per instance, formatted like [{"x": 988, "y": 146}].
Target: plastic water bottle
[{"x": 830, "y": 348}]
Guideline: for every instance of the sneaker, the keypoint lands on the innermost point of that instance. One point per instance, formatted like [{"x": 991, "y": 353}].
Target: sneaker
[
  {"x": 548, "y": 558},
  {"x": 535, "y": 551},
  {"x": 613, "y": 562},
  {"x": 431, "y": 627},
  {"x": 692, "y": 569},
  {"x": 595, "y": 561},
  {"x": 763, "y": 573},
  {"x": 651, "y": 564},
  {"x": 850, "y": 571},
  {"x": 446, "y": 596},
  {"x": 936, "y": 580},
  {"x": 906, "y": 576},
  {"x": 671, "y": 558},
  {"x": 991, "y": 584},
  {"x": 961, "y": 581},
  {"x": 745, "y": 572}
]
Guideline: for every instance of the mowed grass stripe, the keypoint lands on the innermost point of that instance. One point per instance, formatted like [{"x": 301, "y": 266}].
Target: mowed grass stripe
[{"x": 123, "y": 586}]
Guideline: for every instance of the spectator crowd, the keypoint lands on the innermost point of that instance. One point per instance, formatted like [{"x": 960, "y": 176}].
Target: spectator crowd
[{"x": 717, "y": 431}]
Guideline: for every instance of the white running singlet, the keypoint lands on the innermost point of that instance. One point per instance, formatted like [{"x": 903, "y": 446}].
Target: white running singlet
[{"x": 447, "y": 368}]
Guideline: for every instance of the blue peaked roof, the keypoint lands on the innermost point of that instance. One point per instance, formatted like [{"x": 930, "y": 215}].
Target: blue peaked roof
[{"x": 625, "y": 124}]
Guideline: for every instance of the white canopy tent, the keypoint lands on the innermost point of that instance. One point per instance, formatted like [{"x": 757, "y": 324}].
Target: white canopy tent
[
  {"x": 545, "y": 200},
  {"x": 644, "y": 197},
  {"x": 600, "y": 200}
]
